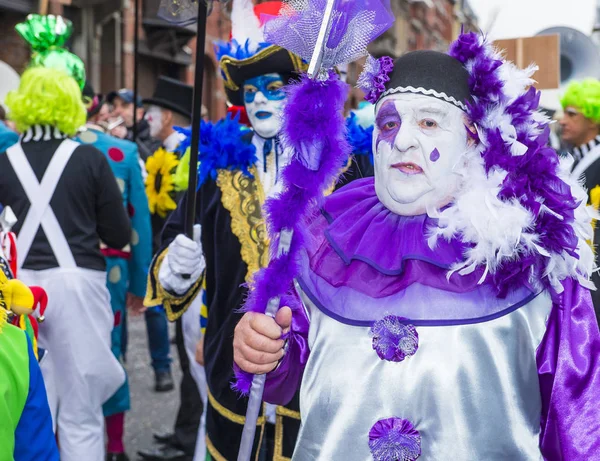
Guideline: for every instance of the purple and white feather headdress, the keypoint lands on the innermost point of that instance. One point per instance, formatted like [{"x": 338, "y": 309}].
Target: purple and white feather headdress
[
  {"x": 521, "y": 214},
  {"x": 525, "y": 219}
]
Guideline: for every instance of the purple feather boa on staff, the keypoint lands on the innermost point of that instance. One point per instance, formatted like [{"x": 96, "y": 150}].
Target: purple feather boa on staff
[{"x": 313, "y": 124}]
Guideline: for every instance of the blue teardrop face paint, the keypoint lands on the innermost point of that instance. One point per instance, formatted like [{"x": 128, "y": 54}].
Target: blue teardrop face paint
[
  {"x": 435, "y": 155},
  {"x": 388, "y": 123}
]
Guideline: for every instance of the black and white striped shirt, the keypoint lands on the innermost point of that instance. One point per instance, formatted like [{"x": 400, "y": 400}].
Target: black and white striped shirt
[
  {"x": 87, "y": 201},
  {"x": 38, "y": 133},
  {"x": 581, "y": 151}
]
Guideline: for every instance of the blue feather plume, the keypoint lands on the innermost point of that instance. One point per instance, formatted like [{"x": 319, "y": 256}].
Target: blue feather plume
[
  {"x": 361, "y": 139},
  {"x": 222, "y": 146}
]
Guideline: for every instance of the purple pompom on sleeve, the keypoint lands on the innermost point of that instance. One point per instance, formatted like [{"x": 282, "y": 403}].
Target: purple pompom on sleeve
[
  {"x": 394, "y": 340},
  {"x": 374, "y": 76},
  {"x": 394, "y": 439}
]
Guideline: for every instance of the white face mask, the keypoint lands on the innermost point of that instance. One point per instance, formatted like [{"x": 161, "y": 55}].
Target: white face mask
[
  {"x": 154, "y": 117},
  {"x": 418, "y": 140},
  {"x": 264, "y": 99}
]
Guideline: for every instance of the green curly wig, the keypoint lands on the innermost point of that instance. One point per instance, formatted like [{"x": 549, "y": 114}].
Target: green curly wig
[
  {"x": 47, "y": 97},
  {"x": 585, "y": 96}
]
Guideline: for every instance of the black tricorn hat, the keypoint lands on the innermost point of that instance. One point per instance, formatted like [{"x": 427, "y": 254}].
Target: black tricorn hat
[
  {"x": 272, "y": 59},
  {"x": 433, "y": 74},
  {"x": 173, "y": 95}
]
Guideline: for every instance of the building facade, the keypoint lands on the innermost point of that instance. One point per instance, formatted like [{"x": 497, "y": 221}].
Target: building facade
[
  {"x": 104, "y": 39},
  {"x": 420, "y": 24}
]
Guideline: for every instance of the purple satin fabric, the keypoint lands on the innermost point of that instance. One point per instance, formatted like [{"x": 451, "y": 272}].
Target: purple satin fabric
[
  {"x": 424, "y": 300},
  {"x": 568, "y": 362},
  {"x": 358, "y": 243},
  {"x": 283, "y": 382},
  {"x": 355, "y": 278}
]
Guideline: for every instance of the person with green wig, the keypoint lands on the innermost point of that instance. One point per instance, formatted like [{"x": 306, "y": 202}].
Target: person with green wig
[
  {"x": 66, "y": 200},
  {"x": 580, "y": 124},
  {"x": 580, "y": 127}
]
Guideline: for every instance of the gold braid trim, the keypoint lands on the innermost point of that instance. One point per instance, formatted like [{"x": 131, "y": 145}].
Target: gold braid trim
[
  {"x": 260, "y": 440},
  {"x": 594, "y": 202},
  {"x": 283, "y": 411},
  {"x": 227, "y": 61},
  {"x": 214, "y": 453},
  {"x": 230, "y": 415},
  {"x": 278, "y": 451},
  {"x": 174, "y": 305},
  {"x": 243, "y": 197}
]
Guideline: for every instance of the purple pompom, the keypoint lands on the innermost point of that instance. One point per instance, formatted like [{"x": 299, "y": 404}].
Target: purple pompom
[
  {"x": 374, "y": 76},
  {"x": 394, "y": 340},
  {"x": 394, "y": 439}
]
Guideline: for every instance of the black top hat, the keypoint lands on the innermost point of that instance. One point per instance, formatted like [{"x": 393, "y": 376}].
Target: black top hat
[
  {"x": 433, "y": 74},
  {"x": 272, "y": 59},
  {"x": 173, "y": 95}
]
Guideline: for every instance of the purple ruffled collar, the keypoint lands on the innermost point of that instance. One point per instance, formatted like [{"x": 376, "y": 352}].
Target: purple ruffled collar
[{"x": 359, "y": 243}]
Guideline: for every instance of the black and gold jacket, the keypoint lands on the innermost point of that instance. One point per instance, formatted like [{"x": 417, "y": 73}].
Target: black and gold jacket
[{"x": 235, "y": 245}]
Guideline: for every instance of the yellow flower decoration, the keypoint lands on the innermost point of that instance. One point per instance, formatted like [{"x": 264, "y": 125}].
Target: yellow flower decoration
[
  {"x": 159, "y": 183},
  {"x": 181, "y": 177},
  {"x": 595, "y": 202},
  {"x": 595, "y": 197}
]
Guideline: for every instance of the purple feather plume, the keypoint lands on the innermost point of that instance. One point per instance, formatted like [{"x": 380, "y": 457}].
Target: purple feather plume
[
  {"x": 374, "y": 76},
  {"x": 313, "y": 121},
  {"x": 532, "y": 178}
]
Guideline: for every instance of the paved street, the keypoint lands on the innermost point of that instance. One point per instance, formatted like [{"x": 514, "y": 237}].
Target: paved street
[{"x": 150, "y": 411}]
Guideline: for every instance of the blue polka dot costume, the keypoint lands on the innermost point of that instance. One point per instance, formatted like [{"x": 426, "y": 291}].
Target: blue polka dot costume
[{"x": 126, "y": 268}]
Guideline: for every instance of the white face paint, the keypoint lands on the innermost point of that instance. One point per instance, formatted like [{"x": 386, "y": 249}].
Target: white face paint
[
  {"x": 264, "y": 100},
  {"x": 154, "y": 117},
  {"x": 418, "y": 140}
]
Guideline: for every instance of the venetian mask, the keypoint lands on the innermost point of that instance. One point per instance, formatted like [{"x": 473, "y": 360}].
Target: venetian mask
[
  {"x": 264, "y": 98},
  {"x": 419, "y": 142},
  {"x": 154, "y": 117}
]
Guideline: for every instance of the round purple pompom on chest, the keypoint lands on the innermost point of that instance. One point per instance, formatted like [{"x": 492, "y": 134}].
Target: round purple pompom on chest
[
  {"x": 394, "y": 439},
  {"x": 394, "y": 340}
]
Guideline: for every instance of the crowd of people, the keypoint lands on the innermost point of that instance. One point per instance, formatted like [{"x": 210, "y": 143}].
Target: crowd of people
[{"x": 441, "y": 305}]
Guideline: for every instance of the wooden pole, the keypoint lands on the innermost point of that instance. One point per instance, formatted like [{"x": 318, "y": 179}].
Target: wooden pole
[
  {"x": 136, "y": 43},
  {"x": 43, "y": 7}
]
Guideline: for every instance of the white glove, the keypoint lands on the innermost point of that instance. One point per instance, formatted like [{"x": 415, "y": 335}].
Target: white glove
[{"x": 184, "y": 257}]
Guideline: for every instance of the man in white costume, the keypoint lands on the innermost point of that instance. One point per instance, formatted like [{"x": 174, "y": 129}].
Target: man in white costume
[
  {"x": 66, "y": 200},
  {"x": 445, "y": 307}
]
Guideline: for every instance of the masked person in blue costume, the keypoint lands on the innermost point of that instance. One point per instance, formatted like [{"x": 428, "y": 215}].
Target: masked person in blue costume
[{"x": 239, "y": 169}]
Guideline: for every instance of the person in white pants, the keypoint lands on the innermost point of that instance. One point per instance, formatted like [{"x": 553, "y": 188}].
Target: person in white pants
[
  {"x": 66, "y": 200},
  {"x": 192, "y": 336}
]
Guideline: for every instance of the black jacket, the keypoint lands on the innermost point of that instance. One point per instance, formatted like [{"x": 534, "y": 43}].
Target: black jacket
[
  {"x": 147, "y": 145},
  {"x": 87, "y": 203}
]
